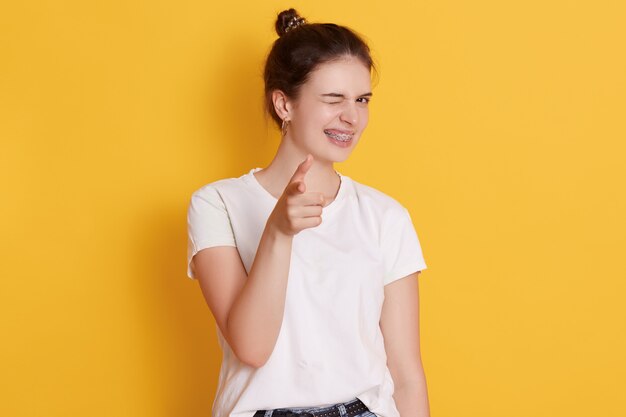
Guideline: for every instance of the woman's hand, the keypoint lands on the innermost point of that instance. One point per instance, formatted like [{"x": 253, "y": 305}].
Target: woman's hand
[{"x": 296, "y": 209}]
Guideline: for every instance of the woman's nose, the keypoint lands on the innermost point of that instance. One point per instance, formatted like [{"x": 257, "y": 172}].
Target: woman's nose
[{"x": 350, "y": 114}]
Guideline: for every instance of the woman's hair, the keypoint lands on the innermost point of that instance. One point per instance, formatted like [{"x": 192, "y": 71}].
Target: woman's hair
[{"x": 301, "y": 48}]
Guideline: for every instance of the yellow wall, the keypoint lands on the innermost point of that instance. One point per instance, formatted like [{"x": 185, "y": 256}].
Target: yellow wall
[{"x": 500, "y": 125}]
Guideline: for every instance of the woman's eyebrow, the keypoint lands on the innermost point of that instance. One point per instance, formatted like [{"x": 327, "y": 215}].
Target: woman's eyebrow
[{"x": 343, "y": 96}]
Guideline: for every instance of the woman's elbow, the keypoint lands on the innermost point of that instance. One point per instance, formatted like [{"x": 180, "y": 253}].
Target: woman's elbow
[
  {"x": 251, "y": 357},
  {"x": 247, "y": 348}
]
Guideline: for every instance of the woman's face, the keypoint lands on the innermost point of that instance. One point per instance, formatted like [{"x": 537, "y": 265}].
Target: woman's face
[{"x": 332, "y": 111}]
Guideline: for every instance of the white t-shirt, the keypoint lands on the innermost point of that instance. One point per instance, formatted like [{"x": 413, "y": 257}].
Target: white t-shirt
[{"x": 330, "y": 346}]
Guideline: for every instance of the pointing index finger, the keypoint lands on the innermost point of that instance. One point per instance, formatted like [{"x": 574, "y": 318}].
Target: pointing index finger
[{"x": 302, "y": 169}]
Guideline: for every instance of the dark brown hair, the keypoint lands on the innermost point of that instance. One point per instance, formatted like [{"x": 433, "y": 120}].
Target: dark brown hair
[{"x": 301, "y": 48}]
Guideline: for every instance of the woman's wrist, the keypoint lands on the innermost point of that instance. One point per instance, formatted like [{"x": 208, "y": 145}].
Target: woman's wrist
[{"x": 274, "y": 234}]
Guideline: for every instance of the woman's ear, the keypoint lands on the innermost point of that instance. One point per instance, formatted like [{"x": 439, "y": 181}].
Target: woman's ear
[{"x": 281, "y": 104}]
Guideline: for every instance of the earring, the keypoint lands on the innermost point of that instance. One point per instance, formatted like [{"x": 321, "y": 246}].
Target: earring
[{"x": 283, "y": 128}]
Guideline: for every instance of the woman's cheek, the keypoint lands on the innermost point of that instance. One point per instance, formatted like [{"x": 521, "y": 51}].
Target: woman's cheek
[{"x": 364, "y": 117}]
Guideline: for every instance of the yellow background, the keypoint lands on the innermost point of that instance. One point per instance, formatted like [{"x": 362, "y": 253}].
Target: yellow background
[{"x": 500, "y": 125}]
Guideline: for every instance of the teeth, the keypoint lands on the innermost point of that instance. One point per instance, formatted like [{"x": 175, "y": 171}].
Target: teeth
[{"x": 344, "y": 137}]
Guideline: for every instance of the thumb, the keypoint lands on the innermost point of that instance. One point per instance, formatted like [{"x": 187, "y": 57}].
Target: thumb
[{"x": 296, "y": 187}]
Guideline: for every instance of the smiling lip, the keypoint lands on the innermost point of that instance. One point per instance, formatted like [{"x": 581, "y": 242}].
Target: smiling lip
[
  {"x": 343, "y": 140},
  {"x": 346, "y": 132}
]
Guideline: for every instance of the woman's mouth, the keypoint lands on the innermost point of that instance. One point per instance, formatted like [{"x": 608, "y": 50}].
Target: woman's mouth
[{"x": 339, "y": 138}]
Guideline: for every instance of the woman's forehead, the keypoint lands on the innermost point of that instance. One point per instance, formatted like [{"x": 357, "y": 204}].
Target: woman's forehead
[{"x": 347, "y": 74}]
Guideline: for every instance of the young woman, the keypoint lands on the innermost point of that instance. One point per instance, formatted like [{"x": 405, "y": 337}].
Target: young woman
[{"x": 311, "y": 276}]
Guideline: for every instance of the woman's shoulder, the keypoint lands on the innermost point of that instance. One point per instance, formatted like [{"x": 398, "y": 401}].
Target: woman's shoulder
[
  {"x": 376, "y": 198},
  {"x": 222, "y": 185}
]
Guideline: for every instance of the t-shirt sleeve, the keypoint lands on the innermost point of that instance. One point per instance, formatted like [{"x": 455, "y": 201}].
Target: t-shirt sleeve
[
  {"x": 208, "y": 224},
  {"x": 402, "y": 252}
]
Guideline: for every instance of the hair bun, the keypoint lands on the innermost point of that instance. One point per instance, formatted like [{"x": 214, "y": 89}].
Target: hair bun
[{"x": 288, "y": 20}]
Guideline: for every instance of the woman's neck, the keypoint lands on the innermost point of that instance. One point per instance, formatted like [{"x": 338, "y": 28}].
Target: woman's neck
[{"x": 321, "y": 177}]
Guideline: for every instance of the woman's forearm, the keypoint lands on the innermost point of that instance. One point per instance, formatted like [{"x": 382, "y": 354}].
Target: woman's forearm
[
  {"x": 411, "y": 397},
  {"x": 256, "y": 315}
]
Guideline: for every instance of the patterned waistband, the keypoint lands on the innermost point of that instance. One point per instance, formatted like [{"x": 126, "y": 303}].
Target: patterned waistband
[{"x": 348, "y": 409}]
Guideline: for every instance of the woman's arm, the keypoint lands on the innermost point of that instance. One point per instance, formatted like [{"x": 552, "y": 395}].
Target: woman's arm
[
  {"x": 399, "y": 323},
  {"x": 249, "y": 308}
]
